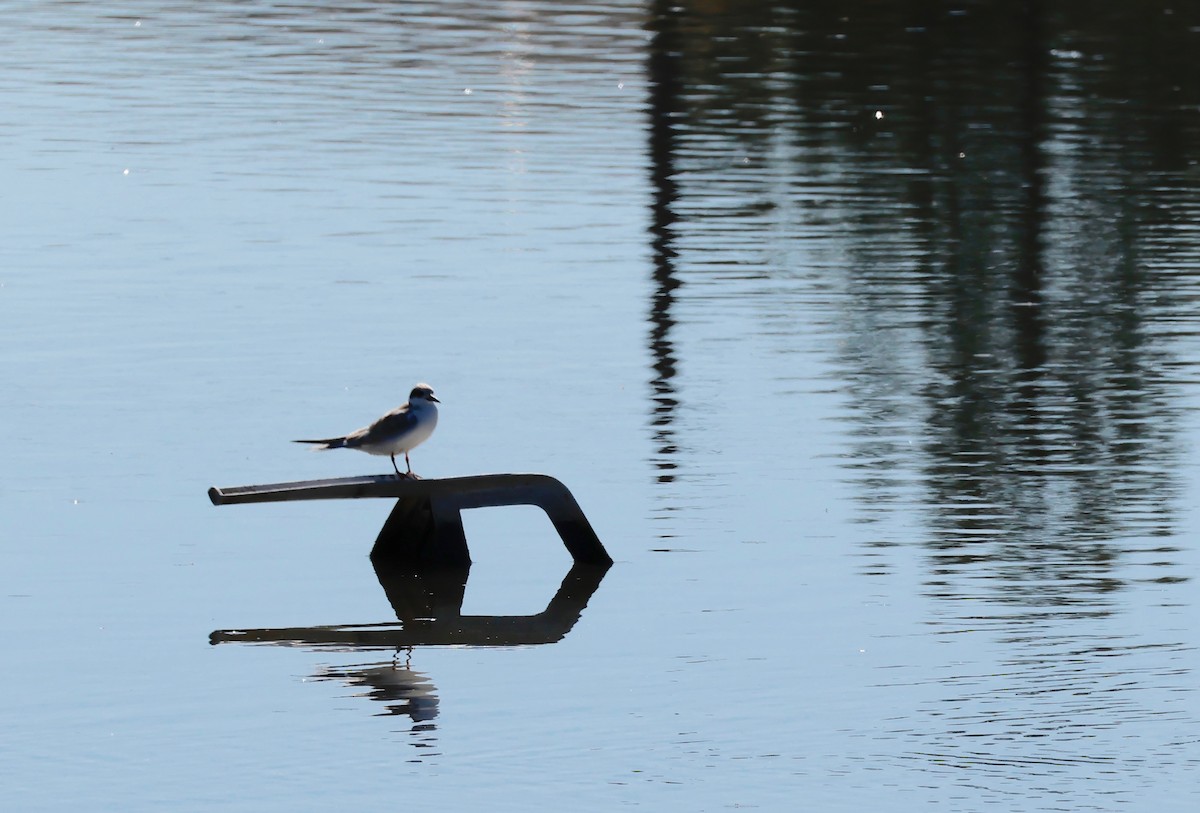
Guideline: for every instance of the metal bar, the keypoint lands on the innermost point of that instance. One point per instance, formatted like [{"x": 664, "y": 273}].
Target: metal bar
[
  {"x": 476, "y": 491},
  {"x": 446, "y": 499}
]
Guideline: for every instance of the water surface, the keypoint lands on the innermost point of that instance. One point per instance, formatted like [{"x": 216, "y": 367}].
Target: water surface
[{"x": 866, "y": 337}]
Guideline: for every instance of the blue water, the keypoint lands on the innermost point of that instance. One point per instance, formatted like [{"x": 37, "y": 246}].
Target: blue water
[{"x": 867, "y": 342}]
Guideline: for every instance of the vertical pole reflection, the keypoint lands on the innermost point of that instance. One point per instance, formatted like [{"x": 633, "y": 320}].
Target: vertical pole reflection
[
  {"x": 664, "y": 106},
  {"x": 1026, "y": 290}
]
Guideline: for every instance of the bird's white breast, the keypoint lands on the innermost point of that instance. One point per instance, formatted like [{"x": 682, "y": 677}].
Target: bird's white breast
[{"x": 426, "y": 415}]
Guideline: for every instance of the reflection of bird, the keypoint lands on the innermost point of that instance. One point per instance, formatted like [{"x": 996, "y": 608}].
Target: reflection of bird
[
  {"x": 402, "y": 690},
  {"x": 401, "y": 430}
]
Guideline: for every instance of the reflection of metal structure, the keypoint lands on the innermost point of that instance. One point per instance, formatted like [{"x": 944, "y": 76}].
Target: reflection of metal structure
[
  {"x": 425, "y": 528},
  {"x": 428, "y": 604}
]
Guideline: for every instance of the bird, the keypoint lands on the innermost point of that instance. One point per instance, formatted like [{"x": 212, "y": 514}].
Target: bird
[{"x": 399, "y": 431}]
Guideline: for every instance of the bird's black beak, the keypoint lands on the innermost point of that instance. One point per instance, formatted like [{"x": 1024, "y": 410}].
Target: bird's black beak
[{"x": 431, "y": 398}]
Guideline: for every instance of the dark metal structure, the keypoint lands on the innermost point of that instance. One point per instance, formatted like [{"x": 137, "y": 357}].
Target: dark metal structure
[{"x": 425, "y": 527}]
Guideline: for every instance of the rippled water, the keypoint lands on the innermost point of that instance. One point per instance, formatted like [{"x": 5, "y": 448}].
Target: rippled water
[{"x": 865, "y": 334}]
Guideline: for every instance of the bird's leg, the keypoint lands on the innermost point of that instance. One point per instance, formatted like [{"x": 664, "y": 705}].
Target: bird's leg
[
  {"x": 410, "y": 474},
  {"x": 394, "y": 466}
]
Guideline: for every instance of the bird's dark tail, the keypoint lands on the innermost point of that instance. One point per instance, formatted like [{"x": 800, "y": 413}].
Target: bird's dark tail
[{"x": 328, "y": 443}]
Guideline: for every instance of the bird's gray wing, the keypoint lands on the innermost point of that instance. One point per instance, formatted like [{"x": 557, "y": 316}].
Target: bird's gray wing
[{"x": 393, "y": 423}]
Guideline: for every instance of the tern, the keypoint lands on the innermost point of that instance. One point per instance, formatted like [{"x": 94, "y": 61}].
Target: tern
[{"x": 398, "y": 432}]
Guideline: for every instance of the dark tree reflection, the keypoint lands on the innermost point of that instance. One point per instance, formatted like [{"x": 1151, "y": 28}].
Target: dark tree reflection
[
  {"x": 996, "y": 190},
  {"x": 666, "y": 94}
]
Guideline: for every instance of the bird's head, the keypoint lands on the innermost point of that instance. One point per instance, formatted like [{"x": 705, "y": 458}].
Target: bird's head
[{"x": 422, "y": 392}]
